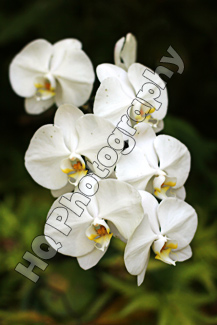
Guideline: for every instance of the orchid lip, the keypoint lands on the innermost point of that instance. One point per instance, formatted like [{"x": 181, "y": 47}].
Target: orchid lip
[
  {"x": 45, "y": 87},
  {"x": 99, "y": 232},
  {"x": 162, "y": 184},
  {"x": 74, "y": 166},
  {"x": 147, "y": 117},
  {"x": 162, "y": 248}
]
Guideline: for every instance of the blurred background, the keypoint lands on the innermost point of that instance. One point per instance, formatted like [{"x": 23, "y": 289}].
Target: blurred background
[{"x": 107, "y": 294}]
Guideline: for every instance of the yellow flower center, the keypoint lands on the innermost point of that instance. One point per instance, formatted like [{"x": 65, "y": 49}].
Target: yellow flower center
[
  {"x": 162, "y": 184},
  {"x": 163, "y": 255},
  {"x": 45, "y": 87},
  {"x": 100, "y": 234},
  {"x": 145, "y": 114},
  {"x": 74, "y": 168},
  {"x": 101, "y": 230}
]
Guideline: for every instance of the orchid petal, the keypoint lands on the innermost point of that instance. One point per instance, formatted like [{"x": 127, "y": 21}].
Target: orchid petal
[
  {"x": 135, "y": 169},
  {"x": 111, "y": 101},
  {"x": 75, "y": 77},
  {"x": 125, "y": 51},
  {"x": 66, "y": 189},
  {"x": 31, "y": 62},
  {"x": 141, "y": 276},
  {"x": 174, "y": 158},
  {"x": 43, "y": 157},
  {"x": 115, "y": 232},
  {"x": 117, "y": 51},
  {"x": 91, "y": 259},
  {"x": 150, "y": 205},
  {"x": 138, "y": 247},
  {"x": 144, "y": 138},
  {"x": 180, "y": 193},
  {"x": 33, "y": 106},
  {"x": 110, "y": 70},
  {"x": 93, "y": 132},
  {"x": 75, "y": 67},
  {"x": 92, "y": 207},
  {"x": 159, "y": 127},
  {"x": 60, "y": 48},
  {"x": 120, "y": 203},
  {"x": 182, "y": 254},
  {"x": 72, "y": 92},
  {"x": 75, "y": 243},
  {"x": 178, "y": 221},
  {"x": 66, "y": 118},
  {"x": 135, "y": 74}
]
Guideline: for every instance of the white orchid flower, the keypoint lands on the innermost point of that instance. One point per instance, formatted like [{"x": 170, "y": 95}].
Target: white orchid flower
[
  {"x": 45, "y": 74},
  {"x": 116, "y": 205},
  {"x": 55, "y": 157},
  {"x": 125, "y": 51},
  {"x": 168, "y": 228},
  {"x": 158, "y": 164},
  {"x": 118, "y": 89}
]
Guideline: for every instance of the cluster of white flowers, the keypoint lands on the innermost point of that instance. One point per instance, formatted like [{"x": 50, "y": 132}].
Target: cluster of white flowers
[{"x": 142, "y": 200}]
